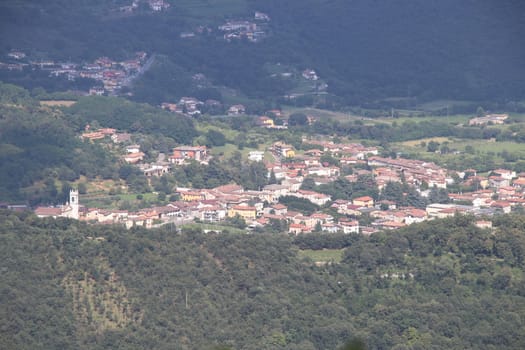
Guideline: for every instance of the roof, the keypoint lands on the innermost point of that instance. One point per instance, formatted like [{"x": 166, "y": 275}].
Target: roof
[
  {"x": 229, "y": 188},
  {"x": 243, "y": 207},
  {"x": 48, "y": 211},
  {"x": 364, "y": 199}
]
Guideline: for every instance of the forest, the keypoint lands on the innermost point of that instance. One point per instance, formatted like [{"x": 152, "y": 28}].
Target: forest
[
  {"x": 368, "y": 52},
  {"x": 435, "y": 285}
]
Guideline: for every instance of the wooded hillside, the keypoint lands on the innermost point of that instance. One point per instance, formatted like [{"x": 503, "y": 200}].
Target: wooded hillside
[{"x": 442, "y": 284}]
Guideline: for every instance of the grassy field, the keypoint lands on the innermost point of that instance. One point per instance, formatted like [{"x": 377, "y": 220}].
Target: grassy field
[
  {"x": 212, "y": 227},
  {"x": 325, "y": 255},
  {"x": 321, "y": 113},
  {"x": 484, "y": 146},
  {"x": 417, "y": 143},
  {"x": 404, "y": 116},
  {"x": 106, "y": 201},
  {"x": 59, "y": 103},
  {"x": 226, "y": 131},
  {"x": 481, "y": 146},
  {"x": 451, "y": 119}
]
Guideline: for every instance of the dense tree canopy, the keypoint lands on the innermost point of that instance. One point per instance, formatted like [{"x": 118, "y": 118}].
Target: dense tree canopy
[
  {"x": 366, "y": 51},
  {"x": 440, "y": 284}
]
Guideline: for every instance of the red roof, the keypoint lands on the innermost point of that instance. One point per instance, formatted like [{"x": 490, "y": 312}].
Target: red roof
[
  {"x": 364, "y": 199},
  {"x": 244, "y": 207},
  {"x": 47, "y": 211}
]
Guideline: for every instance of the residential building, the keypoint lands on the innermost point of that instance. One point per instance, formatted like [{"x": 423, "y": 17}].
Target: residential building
[{"x": 244, "y": 211}]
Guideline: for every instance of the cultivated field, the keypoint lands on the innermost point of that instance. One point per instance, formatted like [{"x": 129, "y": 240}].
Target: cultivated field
[
  {"x": 58, "y": 103},
  {"x": 323, "y": 256}
]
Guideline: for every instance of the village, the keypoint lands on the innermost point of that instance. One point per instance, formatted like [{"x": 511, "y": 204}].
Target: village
[
  {"x": 495, "y": 192},
  {"x": 110, "y": 75}
]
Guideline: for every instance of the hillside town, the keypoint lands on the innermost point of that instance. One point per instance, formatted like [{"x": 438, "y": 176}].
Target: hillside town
[
  {"x": 498, "y": 191},
  {"x": 110, "y": 75}
]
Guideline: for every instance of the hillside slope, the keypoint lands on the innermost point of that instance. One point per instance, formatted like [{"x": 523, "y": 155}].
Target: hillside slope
[
  {"x": 364, "y": 50},
  {"x": 443, "y": 284}
]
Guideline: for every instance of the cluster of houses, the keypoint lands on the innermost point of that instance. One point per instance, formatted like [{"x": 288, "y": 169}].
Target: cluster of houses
[
  {"x": 489, "y": 119},
  {"x": 193, "y": 107},
  {"x": 241, "y": 29},
  {"x": 111, "y": 75},
  {"x": 261, "y": 208},
  {"x": 500, "y": 191},
  {"x": 154, "y": 5}
]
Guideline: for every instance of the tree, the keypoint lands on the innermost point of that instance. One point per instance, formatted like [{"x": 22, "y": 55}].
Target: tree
[
  {"x": 480, "y": 112},
  {"x": 308, "y": 184},
  {"x": 237, "y": 221},
  {"x": 438, "y": 195},
  {"x": 272, "y": 180},
  {"x": 432, "y": 146},
  {"x": 215, "y": 138},
  {"x": 82, "y": 188},
  {"x": 298, "y": 119}
]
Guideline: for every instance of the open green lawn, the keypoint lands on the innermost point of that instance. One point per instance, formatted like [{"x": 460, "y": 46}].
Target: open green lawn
[
  {"x": 452, "y": 119},
  {"x": 482, "y": 146},
  {"x": 321, "y": 113},
  {"x": 106, "y": 201},
  {"x": 487, "y": 146},
  {"x": 225, "y": 130},
  {"x": 214, "y": 227},
  {"x": 324, "y": 255},
  {"x": 404, "y": 116}
]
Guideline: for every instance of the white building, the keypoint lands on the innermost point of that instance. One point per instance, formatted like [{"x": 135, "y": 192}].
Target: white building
[{"x": 256, "y": 156}]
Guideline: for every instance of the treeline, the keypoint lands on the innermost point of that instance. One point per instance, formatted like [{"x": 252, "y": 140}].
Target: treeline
[{"x": 440, "y": 284}]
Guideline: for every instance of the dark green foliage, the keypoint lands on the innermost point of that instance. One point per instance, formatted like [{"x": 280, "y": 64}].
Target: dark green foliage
[
  {"x": 297, "y": 119},
  {"x": 123, "y": 115},
  {"x": 344, "y": 189},
  {"x": 301, "y": 205},
  {"x": 438, "y": 195},
  {"x": 36, "y": 145},
  {"x": 365, "y": 51},
  {"x": 441, "y": 284},
  {"x": 237, "y": 221},
  {"x": 215, "y": 138}
]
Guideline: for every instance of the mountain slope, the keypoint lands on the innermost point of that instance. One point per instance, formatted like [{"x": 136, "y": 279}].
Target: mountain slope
[
  {"x": 364, "y": 50},
  {"x": 443, "y": 284}
]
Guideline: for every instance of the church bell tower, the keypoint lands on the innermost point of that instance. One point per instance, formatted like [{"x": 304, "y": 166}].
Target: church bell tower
[{"x": 73, "y": 203}]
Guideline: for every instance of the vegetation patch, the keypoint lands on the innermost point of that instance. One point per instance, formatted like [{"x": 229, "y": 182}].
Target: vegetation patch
[
  {"x": 100, "y": 300},
  {"x": 322, "y": 256},
  {"x": 57, "y": 103}
]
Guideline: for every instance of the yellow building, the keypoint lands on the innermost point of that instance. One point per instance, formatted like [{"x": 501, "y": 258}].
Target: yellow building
[
  {"x": 244, "y": 211},
  {"x": 190, "y": 196},
  {"x": 289, "y": 153}
]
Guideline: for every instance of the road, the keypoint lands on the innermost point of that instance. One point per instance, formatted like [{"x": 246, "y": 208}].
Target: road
[{"x": 129, "y": 80}]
